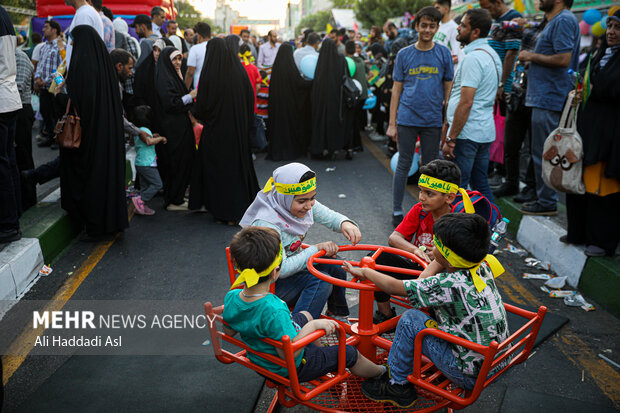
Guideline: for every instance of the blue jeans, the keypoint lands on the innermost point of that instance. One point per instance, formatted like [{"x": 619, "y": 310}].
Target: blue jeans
[
  {"x": 429, "y": 149},
  {"x": 439, "y": 351},
  {"x": 543, "y": 123},
  {"x": 472, "y": 159},
  {"x": 310, "y": 294}
]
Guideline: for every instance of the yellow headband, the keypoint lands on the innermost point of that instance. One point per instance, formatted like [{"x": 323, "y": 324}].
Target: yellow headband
[
  {"x": 246, "y": 56},
  {"x": 458, "y": 262},
  {"x": 444, "y": 187},
  {"x": 291, "y": 189},
  {"x": 250, "y": 277}
]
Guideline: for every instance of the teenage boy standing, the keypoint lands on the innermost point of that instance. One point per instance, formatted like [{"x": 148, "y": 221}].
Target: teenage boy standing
[{"x": 421, "y": 72}]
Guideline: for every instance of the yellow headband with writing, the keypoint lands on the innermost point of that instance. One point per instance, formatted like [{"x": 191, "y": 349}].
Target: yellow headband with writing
[
  {"x": 246, "y": 57},
  {"x": 250, "y": 277},
  {"x": 444, "y": 187},
  {"x": 291, "y": 189},
  {"x": 459, "y": 262}
]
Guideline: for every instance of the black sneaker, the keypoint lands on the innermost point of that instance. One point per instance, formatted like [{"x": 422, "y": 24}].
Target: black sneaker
[
  {"x": 379, "y": 317},
  {"x": 537, "y": 209},
  {"x": 380, "y": 389},
  {"x": 397, "y": 219},
  {"x": 10, "y": 235},
  {"x": 506, "y": 189},
  {"x": 527, "y": 195}
]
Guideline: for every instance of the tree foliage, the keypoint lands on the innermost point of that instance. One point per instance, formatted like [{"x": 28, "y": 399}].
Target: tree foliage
[
  {"x": 344, "y": 4},
  {"x": 188, "y": 16},
  {"x": 317, "y": 21},
  {"x": 18, "y": 18},
  {"x": 376, "y": 12}
]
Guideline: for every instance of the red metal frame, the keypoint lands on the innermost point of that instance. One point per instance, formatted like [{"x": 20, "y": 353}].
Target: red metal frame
[
  {"x": 430, "y": 382},
  {"x": 367, "y": 332}
]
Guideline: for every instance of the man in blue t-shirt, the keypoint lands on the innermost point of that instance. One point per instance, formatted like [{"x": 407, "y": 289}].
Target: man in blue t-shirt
[
  {"x": 556, "y": 51},
  {"x": 422, "y": 76}
]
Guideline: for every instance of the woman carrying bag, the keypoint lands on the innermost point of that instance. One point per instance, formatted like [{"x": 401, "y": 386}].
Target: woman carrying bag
[{"x": 592, "y": 217}]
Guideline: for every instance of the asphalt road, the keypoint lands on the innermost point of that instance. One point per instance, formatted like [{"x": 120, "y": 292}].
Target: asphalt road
[{"x": 179, "y": 257}]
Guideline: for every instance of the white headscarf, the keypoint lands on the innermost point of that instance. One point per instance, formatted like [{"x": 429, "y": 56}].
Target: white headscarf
[
  {"x": 275, "y": 207},
  {"x": 176, "y": 41},
  {"x": 160, "y": 44},
  {"x": 121, "y": 26}
]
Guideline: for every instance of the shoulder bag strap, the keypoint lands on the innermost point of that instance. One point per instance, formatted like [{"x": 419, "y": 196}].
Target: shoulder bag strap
[{"x": 492, "y": 61}]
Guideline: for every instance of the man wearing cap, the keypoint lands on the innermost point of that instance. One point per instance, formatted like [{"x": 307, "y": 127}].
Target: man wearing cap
[{"x": 143, "y": 26}]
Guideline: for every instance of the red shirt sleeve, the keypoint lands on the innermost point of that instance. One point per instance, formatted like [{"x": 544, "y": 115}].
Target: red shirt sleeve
[{"x": 411, "y": 223}]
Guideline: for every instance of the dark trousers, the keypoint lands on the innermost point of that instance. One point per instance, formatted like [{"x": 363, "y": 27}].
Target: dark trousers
[
  {"x": 10, "y": 194},
  {"x": 359, "y": 121},
  {"x": 379, "y": 118},
  {"x": 592, "y": 220},
  {"x": 23, "y": 138},
  {"x": 516, "y": 132},
  {"x": 48, "y": 171},
  {"x": 46, "y": 100},
  {"x": 23, "y": 152}
]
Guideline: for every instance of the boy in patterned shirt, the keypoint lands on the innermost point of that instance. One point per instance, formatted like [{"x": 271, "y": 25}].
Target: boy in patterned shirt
[{"x": 459, "y": 290}]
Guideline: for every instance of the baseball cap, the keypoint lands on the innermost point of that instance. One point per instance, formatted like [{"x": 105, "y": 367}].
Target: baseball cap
[{"x": 141, "y": 19}]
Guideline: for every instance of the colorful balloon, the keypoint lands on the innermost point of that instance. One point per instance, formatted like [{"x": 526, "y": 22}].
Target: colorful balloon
[
  {"x": 351, "y": 64},
  {"x": 597, "y": 29},
  {"x": 308, "y": 65},
  {"x": 592, "y": 16},
  {"x": 584, "y": 27},
  {"x": 414, "y": 165}
]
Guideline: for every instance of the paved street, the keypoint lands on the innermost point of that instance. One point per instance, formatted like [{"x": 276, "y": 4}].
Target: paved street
[{"x": 180, "y": 256}]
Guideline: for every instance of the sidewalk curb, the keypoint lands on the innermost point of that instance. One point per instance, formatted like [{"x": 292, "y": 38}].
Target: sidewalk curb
[
  {"x": 596, "y": 277},
  {"x": 46, "y": 230}
]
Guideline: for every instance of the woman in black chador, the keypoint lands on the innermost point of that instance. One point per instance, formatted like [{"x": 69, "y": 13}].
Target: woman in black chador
[
  {"x": 223, "y": 180},
  {"x": 288, "y": 124},
  {"x": 176, "y": 126},
  {"x": 328, "y": 132},
  {"x": 92, "y": 176}
]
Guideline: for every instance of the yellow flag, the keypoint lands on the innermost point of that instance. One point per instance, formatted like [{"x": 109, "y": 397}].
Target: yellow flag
[
  {"x": 519, "y": 6},
  {"x": 329, "y": 28}
]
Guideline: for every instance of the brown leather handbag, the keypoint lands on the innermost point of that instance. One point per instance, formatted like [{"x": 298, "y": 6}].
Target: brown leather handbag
[{"x": 68, "y": 130}]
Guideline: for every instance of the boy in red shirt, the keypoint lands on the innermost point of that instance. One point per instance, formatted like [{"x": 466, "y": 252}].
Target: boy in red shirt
[{"x": 439, "y": 184}]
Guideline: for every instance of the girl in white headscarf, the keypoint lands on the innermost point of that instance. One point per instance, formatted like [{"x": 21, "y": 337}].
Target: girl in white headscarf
[{"x": 288, "y": 204}]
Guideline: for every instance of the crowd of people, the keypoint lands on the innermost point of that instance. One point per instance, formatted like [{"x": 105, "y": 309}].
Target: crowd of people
[
  {"x": 195, "y": 107},
  {"x": 440, "y": 82}
]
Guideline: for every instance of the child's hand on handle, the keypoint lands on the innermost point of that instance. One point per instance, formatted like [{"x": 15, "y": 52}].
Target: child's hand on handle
[
  {"x": 354, "y": 271},
  {"x": 330, "y": 248},
  {"x": 324, "y": 324},
  {"x": 422, "y": 254},
  {"x": 351, "y": 232}
]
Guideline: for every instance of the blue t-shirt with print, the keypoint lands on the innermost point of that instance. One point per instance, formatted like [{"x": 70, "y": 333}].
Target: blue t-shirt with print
[
  {"x": 422, "y": 73},
  {"x": 548, "y": 87}
]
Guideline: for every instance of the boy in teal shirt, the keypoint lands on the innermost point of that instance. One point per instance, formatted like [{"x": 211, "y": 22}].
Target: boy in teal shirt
[{"x": 256, "y": 314}]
